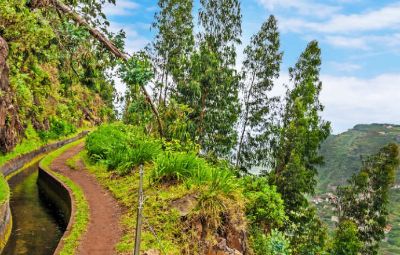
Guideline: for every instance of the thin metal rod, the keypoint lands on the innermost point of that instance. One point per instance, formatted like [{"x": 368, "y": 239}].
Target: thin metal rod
[{"x": 139, "y": 213}]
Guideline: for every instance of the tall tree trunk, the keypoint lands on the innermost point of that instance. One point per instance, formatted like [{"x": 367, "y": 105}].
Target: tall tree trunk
[
  {"x": 245, "y": 122},
  {"x": 11, "y": 129},
  {"x": 110, "y": 46}
]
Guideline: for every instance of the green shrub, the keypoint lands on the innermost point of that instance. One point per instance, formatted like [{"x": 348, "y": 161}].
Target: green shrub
[
  {"x": 100, "y": 142},
  {"x": 264, "y": 206},
  {"x": 346, "y": 240},
  {"x": 274, "y": 244},
  {"x": 58, "y": 128}
]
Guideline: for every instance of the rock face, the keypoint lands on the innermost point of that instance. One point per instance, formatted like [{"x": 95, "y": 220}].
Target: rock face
[
  {"x": 222, "y": 248},
  {"x": 10, "y": 125},
  {"x": 227, "y": 238}
]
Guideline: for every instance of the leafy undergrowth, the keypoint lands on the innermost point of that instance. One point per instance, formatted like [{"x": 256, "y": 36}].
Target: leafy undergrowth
[
  {"x": 190, "y": 204},
  {"x": 81, "y": 219}
]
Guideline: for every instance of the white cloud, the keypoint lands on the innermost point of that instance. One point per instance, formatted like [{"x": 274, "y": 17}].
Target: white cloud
[
  {"x": 349, "y": 100},
  {"x": 304, "y": 7},
  {"x": 365, "y": 42},
  {"x": 347, "y": 42},
  {"x": 387, "y": 17},
  {"x": 345, "y": 66},
  {"x": 121, "y": 8},
  {"x": 134, "y": 41},
  {"x": 368, "y": 30}
]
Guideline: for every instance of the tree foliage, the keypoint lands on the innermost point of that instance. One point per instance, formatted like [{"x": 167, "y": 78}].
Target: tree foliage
[
  {"x": 301, "y": 131},
  {"x": 265, "y": 207},
  {"x": 260, "y": 67},
  {"x": 346, "y": 240},
  {"x": 365, "y": 200},
  {"x": 173, "y": 45},
  {"x": 212, "y": 91}
]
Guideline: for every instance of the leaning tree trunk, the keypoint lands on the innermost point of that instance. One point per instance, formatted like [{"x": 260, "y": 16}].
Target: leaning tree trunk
[
  {"x": 66, "y": 10},
  {"x": 11, "y": 129}
]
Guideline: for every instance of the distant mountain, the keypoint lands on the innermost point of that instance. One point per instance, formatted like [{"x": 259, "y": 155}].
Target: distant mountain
[{"x": 342, "y": 154}]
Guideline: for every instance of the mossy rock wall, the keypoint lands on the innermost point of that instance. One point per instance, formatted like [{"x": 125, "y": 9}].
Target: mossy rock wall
[{"x": 5, "y": 224}]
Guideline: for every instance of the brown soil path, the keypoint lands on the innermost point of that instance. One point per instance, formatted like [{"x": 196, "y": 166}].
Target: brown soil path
[{"x": 104, "y": 229}]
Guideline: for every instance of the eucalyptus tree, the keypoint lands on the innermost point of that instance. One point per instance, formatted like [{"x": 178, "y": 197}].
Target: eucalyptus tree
[
  {"x": 260, "y": 67},
  {"x": 365, "y": 200},
  {"x": 173, "y": 45},
  {"x": 212, "y": 91},
  {"x": 301, "y": 131},
  {"x": 295, "y": 149}
]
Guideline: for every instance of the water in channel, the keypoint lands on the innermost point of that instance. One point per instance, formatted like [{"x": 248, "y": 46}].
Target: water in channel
[{"x": 37, "y": 225}]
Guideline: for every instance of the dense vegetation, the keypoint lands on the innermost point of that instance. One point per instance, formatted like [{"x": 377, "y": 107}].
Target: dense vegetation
[
  {"x": 57, "y": 81},
  {"x": 209, "y": 194},
  {"x": 199, "y": 133}
]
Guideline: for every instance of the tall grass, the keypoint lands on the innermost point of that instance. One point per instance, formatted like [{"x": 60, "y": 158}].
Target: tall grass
[
  {"x": 189, "y": 168},
  {"x": 176, "y": 166},
  {"x": 123, "y": 158},
  {"x": 121, "y": 147}
]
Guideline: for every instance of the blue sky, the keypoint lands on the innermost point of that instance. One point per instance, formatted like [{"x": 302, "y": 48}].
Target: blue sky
[{"x": 360, "y": 41}]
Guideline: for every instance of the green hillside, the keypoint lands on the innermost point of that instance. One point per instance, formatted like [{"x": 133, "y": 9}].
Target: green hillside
[{"x": 342, "y": 154}]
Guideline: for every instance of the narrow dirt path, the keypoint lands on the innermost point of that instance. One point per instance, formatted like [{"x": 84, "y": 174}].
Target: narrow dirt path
[{"x": 104, "y": 229}]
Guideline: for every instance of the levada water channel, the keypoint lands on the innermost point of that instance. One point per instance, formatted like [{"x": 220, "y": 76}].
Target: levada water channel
[{"x": 38, "y": 224}]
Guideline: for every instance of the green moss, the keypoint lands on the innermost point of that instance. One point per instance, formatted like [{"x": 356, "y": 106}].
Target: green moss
[
  {"x": 4, "y": 189},
  {"x": 81, "y": 217},
  {"x": 6, "y": 236}
]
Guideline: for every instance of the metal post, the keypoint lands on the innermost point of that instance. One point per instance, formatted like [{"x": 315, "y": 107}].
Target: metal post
[{"x": 139, "y": 213}]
